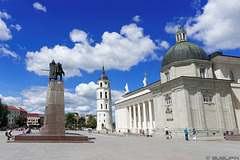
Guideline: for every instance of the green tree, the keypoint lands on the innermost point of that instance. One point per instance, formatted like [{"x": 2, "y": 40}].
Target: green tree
[
  {"x": 82, "y": 122},
  {"x": 3, "y": 115},
  {"x": 69, "y": 119},
  {"x": 114, "y": 125},
  {"x": 21, "y": 120},
  {"x": 92, "y": 122}
]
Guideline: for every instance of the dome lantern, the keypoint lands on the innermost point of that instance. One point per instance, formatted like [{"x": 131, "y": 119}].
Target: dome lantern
[{"x": 181, "y": 35}]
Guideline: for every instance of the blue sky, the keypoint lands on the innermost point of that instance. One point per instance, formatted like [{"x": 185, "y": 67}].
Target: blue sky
[{"x": 129, "y": 37}]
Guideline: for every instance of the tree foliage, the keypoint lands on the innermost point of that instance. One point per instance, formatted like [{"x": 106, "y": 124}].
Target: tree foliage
[
  {"x": 92, "y": 122},
  {"x": 3, "y": 115},
  {"x": 21, "y": 120}
]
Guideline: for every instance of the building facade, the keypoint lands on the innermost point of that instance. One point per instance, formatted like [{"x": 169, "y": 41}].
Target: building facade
[
  {"x": 195, "y": 91},
  {"x": 15, "y": 112},
  {"x": 35, "y": 120},
  {"x": 104, "y": 103}
]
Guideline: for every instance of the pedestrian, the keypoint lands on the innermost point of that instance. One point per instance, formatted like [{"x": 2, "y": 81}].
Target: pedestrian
[
  {"x": 186, "y": 134},
  {"x": 167, "y": 133},
  {"x": 9, "y": 134},
  {"x": 194, "y": 133}
]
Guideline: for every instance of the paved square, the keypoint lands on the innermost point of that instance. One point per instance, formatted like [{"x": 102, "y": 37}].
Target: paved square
[{"x": 107, "y": 147}]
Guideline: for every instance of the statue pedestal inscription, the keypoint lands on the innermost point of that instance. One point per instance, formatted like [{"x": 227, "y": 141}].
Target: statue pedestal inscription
[{"x": 54, "y": 120}]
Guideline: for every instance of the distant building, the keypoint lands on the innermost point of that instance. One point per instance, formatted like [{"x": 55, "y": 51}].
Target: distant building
[
  {"x": 35, "y": 120},
  {"x": 15, "y": 112}
]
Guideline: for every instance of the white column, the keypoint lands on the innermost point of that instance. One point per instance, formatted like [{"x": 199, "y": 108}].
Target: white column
[
  {"x": 135, "y": 119},
  {"x": 139, "y": 118},
  {"x": 130, "y": 117},
  {"x": 144, "y": 117},
  {"x": 116, "y": 118},
  {"x": 150, "y": 117}
]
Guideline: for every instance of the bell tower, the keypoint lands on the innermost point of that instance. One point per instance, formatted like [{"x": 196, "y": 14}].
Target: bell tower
[{"x": 104, "y": 103}]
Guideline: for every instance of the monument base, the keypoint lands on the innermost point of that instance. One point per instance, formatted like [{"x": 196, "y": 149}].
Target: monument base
[
  {"x": 39, "y": 138},
  {"x": 233, "y": 137}
]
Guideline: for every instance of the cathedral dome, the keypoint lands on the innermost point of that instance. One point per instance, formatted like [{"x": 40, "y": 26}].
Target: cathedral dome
[{"x": 183, "y": 50}]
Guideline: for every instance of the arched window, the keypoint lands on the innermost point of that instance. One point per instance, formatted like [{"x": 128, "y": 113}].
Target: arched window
[
  {"x": 101, "y": 84},
  {"x": 231, "y": 75},
  {"x": 100, "y": 94},
  {"x": 101, "y": 106},
  {"x": 207, "y": 98},
  {"x": 106, "y": 106},
  {"x": 169, "y": 100},
  {"x": 105, "y": 94}
]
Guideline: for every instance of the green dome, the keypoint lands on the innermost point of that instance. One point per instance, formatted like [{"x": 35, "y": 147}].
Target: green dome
[{"x": 183, "y": 51}]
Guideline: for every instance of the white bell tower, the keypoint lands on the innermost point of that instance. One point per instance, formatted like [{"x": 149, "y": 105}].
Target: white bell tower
[{"x": 104, "y": 103}]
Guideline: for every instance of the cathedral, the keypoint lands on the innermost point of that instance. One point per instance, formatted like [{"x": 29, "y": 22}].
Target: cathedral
[{"x": 195, "y": 91}]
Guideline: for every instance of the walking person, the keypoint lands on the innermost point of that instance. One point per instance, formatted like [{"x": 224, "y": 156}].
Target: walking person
[
  {"x": 167, "y": 133},
  {"x": 194, "y": 133},
  {"x": 186, "y": 134}
]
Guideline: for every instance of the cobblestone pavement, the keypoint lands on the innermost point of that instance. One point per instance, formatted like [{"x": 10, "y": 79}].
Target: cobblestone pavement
[{"x": 110, "y": 147}]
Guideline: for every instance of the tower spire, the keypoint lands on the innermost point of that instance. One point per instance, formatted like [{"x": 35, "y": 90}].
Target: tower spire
[{"x": 103, "y": 72}]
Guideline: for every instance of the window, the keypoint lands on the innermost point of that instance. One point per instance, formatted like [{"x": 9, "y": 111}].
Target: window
[
  {"x": 100, "y": 94},
  {"x": 105, "y": 94},
  {"x": 169, "y": 100},
  {"x": 106, "y": 106},
  {"x": 104, "y": 120},
  {"x": 101, "y": 106},
  {"x": 202, "y": 72},
  {"x": 104, "y": 115},
  {"x": 101, "y": 84},
  {"x": 207, "y": 98},
  {"x": 231, "y": 75},
  {"x": 167, "y": 76},
  {"x": 106, "y": 83}
]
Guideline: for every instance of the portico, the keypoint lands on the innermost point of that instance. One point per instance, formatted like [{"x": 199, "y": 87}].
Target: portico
[{"x": 137, "y": 116}]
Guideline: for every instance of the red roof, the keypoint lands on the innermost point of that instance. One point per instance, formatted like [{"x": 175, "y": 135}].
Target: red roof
[
  {"x": 12, "y": 108},
  {"x": 17, "y": 108},
  {"x": 21, "y": 109},
  {"x": 33, "y": 115}
]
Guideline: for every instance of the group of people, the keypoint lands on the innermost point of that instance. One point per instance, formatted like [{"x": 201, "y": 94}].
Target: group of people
[{"x": 168, "y": 134}]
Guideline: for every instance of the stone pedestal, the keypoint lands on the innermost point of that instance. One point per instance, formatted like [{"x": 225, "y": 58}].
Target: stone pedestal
[{"x": 54, "y": 120}]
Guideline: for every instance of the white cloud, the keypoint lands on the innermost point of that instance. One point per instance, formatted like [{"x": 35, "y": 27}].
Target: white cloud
[
  {"x": 163, "y": 44},
  {"x": 17, "y": 27},
  {"x": 11, "y": 101},
  {"x": 217, "y": 26},
  {"x": 83, "y": 101},
  {"x": 78, "y": 36},
  {"x": 4, "y": 15},
  {"x": 136, "y": 18},
  {"x": 4, "y": 51},
  {"x": 118, "y": 51},
  {"x": 5, "y": 33},
  {"x": 39, "y": 6},
  {"x": 196, "y": 4}
]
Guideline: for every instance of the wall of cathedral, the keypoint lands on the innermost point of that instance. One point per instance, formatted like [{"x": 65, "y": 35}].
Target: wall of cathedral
[{"x": 198, "y": 103}]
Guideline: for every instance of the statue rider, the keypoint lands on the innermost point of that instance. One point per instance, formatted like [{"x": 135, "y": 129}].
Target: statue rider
[
  {"x": 52, "y": 72},
  {"x": 55, "y": 71},
  {"x": 59, "y": 70}
]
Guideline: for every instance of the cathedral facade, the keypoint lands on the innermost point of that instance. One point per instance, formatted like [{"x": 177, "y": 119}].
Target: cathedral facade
[{"x": 195, "y": 91}]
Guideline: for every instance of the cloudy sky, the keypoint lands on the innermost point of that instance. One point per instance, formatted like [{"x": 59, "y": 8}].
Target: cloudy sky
[{"x": 129, "y": 37}]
